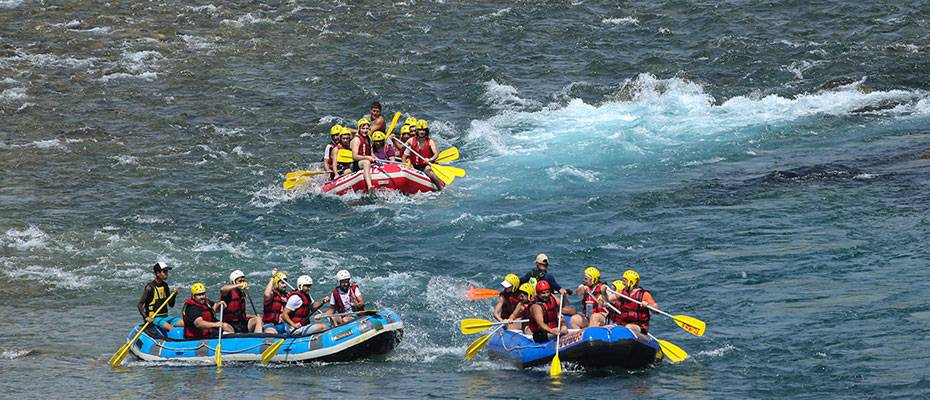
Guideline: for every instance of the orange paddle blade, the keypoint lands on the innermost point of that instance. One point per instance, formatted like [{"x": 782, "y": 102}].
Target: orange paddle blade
[{"x": 481, "y": 294}]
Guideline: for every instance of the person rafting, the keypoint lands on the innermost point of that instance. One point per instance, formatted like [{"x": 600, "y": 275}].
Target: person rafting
[
  {"x": 383, "y": 151},
  {"x": 234, "y": 295},
  {"x": 399, "y": 140},
  {"x": 421, "y": 151},
  {"x": 361, "y": 151},
  {"x": 544, "y": 314},
  {"x": 153, "y": 295},
  {"x": 525, "y": 297},
  {"x": 346, "y": 297},
  {"x": 334, "y": 133},
  {"x": 341, "y": 168},
  {"x": 200, "y": 315},
  {"x": 508, "y": 299},
  {"x": 632, "y": 315},
  {"x": 374, "y": 115},
  {"x": 592, "y": 291},
  {"x": 300, "y": 306},
  {"x": 275, "y": 297},
  {"x": 541, "y": 272}
]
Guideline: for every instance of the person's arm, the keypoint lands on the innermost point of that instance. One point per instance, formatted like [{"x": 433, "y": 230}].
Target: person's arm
[
  {"x": 356, "y": 295},
  {"x": 217, "y": 305},
  {"x": 526, "y": 278},
  {"x": 267, "y": 295},
  {"x": 536, "y": 315},
  {"x": 171, "y": 300},
  {"x": 378, "y": 125},
  {"x": 227, "y": 288},
  {"x": 319, "y": 303},
  {"x": 293, "y": 303},
  {"x": 334, "y": 158},
  {"x": 498, "y": 307},
  {"x": 147, "y": 294},
  {"x": 516, "y": 312},
  {"x": 435, "y": 149},
  {"x": 647, "y": 298},
  {"x": 354, "y": 144}
]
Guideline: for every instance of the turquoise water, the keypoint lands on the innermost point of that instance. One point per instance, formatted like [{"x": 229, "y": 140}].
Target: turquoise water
[{"x": 763, "y": 166}]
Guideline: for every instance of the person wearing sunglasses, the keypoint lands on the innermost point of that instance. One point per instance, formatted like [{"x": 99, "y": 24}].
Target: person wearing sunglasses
[{"x": 154, "y": 295}]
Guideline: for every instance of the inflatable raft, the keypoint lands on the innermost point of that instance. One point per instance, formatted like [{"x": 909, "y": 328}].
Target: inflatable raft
[
  {"x": 388, "y": 176},
  {"x": 369, "y": 335},
  {"x": 609, "y": 346}
]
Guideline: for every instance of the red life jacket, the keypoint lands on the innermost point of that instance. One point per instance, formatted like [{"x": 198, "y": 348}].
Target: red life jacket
[
  {"x": 510, "y": 303},
  {"x": 589, "y": 299},
  {"x": 271, "y": 314},
  {"x": 300, "y": 315},
  {"x": 632, "y": 313},
  {"x": 525, "y": 311},
  {"x": 192, "y": 311},
  {"x": 550, "y": 313},
  {"x": 340, "y": 306},
  {"x": 426, "y": 151},
  {"x": 235, "y": 306},
  {"x": 364, "y": 145}
]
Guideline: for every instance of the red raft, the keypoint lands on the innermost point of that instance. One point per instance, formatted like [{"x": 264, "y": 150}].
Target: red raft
[{"x": 386, "y": 177}]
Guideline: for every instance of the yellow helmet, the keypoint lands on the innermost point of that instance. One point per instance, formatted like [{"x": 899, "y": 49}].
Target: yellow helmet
[
  {"x": 422, "y": 124},
  {"x": 593, "y": 272},
  {"x": 280, "y": 276},
  {"x": 346, "y": 130},
  {"x": 632, "y": 278},
  {"x": 618, "y": 285},
  {"x": 198, "y": 288},
  {"x": 378, "y": 136},
  {"x": 405, "y": 129},
  {"x": 335, "y": 130},
  {"x": 528, "y": 289},
  {"x": 410, "y": 121},
  {"x": 512, "y": 279},
  {"x": 363, "y": 121}
]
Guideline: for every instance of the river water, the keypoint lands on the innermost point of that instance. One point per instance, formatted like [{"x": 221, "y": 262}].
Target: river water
[{"x": 763, "y": 165}]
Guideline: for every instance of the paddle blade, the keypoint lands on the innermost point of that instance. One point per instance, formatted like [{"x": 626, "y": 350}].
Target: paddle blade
[
  {"x": 344, "y": 156},
  {"x": 120, "y": 355},
  {"x": 393, "y": 123},
  {"x": 442, "y": 172},
  {"x": 555, "y": 369},
  {"x": 271, "y": 351},
  {"x": 476, "y": 346},
  {"x": 693, "y": 325},
  {"x": 481, "y": 294},
  {"x": 448, "y": 155},
  {"x": 674, "y": 353},
  {"x": 219, "y": 355},
  {"x": 474, "y": 325}
]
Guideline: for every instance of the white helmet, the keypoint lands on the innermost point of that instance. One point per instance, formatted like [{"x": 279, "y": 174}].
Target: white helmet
[
  {"x": 304, "y": 280},
  {"x": 343, "y": 275},
  {"x": 235, "y": 275}
]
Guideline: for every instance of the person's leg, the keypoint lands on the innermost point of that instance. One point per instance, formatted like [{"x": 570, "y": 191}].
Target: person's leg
[
  {"x": 578, "y": 321},
  {"x": 255, "y": 325},
  {"x": 635, "y": 328},
  {"x": 597, "y": 319},
  {"x": 432, "y": 176},
  {"x": 366, "y": 170},
  {"x": 269, "y": 328}
]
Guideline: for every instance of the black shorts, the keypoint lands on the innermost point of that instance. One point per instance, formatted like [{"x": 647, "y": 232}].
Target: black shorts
[
  {"x": 420, "y": 168},
  {"x": 540, "y": 336},
  {"x": 240, "y": 326}
]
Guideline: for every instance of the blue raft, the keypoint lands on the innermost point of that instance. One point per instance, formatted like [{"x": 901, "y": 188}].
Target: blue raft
[
  {"x": 369, "y": 335},
  {"x": 609, "y": 346}
]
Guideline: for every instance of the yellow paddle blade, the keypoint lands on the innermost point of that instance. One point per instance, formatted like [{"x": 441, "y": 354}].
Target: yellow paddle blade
[
  {"x": 271, "y": 351},
  {"x": 448, "y": 155},
  {"x": 219, "y": 355},
  {"x": 481, "y": 294},
  {"x": 344, "y": 156},
  {"x": 476, "y": 346},
  {"x": 555, "y": 369},
  {"x": 293, "y": 179},
  {"x": 674, "y": 353},
  {"x": 474, "y": 325},
  {"x": 393, "y": 123},
  {"x": 693, "y": 325},
  {"x": 117, "y": 358},
  {"x": 454, "y": 171},
  {"x": 442, "y": 174}
]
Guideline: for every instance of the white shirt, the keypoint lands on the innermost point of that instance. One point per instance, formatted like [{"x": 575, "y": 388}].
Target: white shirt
[
  {"x": 294, "y": 302},
  {"x": 328, "y": 152},
  {"x": 345, "y": 298}
]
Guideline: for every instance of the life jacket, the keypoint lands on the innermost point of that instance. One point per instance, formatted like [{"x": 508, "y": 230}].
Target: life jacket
[
  {"x": 300, "y": 315},
  {"x": 550, "y": 313},
  {"x": 589, "y": 299},
  {"x": 632, "y": 313},
  {"x": 192, "y": 311},
  {"x": 159, "y": 294},
  {"x": 510, "y": 303},
  {"x": 340, "y": 306},
  {"x": 426, "y": 151},
  {"x": 364, "y": 145},
  {"x": 271, "y": 313},
  {"x": 235, "y": 306},
  {"x": 342, "y": 165}
]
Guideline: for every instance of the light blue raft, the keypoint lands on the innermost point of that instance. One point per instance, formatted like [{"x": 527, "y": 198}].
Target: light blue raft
[
  {"x": 369, "y": 335},
  {"x": 609, "y": 346}
]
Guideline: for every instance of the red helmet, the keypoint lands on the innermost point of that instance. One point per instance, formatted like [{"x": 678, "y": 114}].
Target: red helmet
[{"x": 543, "y": 285}]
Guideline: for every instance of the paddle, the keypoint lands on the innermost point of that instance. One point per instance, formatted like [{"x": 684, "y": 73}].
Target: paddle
[
  {"x": 272, "y": 350},
  {"x": 555, "y": 369},
  {"x": 293, "y": 178},
  {"x": 481, "y": 294},
  {"x": 470, "y": 326},
  {"x": 690, "y": 324},
  {"x": 120, "y": 354},
  {"x": 445, "y": 173},
  {"x": 219, "y": 342},
  {"x": 448, "y": 155},
  {"x": 674, "y": 353},
  {"x": 477, "y": 345}
]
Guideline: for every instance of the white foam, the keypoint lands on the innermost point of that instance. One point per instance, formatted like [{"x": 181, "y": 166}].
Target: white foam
[
  {"x": 718, "y": 352},
  {"x": 125, "y": 160},
  {"x": 12, "y": 354},
  {"x": 10, "y": 3},
  {"x": 146, "y": 76},
  {"x": 241, "y": 153},
  {"x": 620, "y": 21},
  {"x": 50, "y": 276},
  {"x": 218, "y": 244},
  {"x": 11, "y": 94},
  {"x": 27, "y": 239},
  {"x": 712, "y": 160},
  {"x": 567, "y": 170},
  {"x": 209, "y": 9},
  {"x": 149, "y": 219},
  {"x": 504, "y": 97},
  {"x": 246, "y": 19}
]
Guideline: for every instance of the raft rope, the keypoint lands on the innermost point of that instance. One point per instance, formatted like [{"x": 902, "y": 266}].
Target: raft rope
[{"x": 208, "y": 348}]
